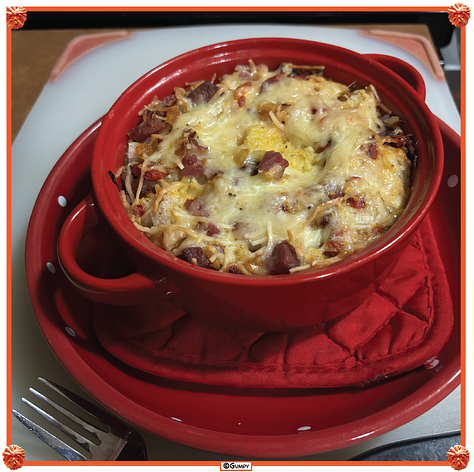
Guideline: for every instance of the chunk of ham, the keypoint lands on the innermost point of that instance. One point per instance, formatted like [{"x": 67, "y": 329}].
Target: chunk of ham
[
  {"x": 146, "y": 128},
  {"x": 209, "y": 228},
  {"x": 282, "y": 258},
  {"x": 197, "y": 207},
  {"x": 272, "y": 80},
  {"x": 233, "y": 269},
  {"x": 197, "y": 256},
  {"x": 192, "y": 166},
  {"x": 272, "y": 166},
  {"x": 203, "y": 93}
]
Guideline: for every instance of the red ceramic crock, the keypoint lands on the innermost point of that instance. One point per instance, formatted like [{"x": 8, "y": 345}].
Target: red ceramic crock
[{"x": 260, "y": 303}]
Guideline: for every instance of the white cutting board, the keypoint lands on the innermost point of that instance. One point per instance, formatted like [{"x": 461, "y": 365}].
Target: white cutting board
[{"x": 83, "y": 93}]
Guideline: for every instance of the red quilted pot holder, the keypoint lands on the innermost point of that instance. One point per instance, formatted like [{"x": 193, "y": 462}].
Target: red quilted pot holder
[{"x": 400, "y": 327}]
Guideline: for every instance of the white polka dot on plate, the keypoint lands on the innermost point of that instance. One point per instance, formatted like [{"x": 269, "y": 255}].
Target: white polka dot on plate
[
  {"x": 452, "y": 181},
  {"x": 62, "y": 201},
  {"x": 70, "y": 331},
  {"x": 304, "y": 428}
]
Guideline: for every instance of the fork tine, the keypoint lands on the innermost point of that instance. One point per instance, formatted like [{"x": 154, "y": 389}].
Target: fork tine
[
  {"x": 81, "y": 440},
  {"x": 79, "y": 421},
  {"x": 52, "y": 441},
  {"x": 85, "y": 405}
]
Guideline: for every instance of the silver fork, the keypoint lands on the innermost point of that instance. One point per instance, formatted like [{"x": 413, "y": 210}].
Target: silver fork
[{"x": 115, "y": 442}]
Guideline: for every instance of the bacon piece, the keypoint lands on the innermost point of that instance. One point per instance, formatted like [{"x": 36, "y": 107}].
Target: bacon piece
[
  {"x": 139, "y": 210},
  {"x": 333, "y": 247},
  {"x": 209, "y": 228},
  {"x": 154, "y": 174},
  {"x": 192, "y": 166},
  {"x": 196, "y": 207},
  {"x": 146, "y": 128},
  {"x": 282, "y": 258},
  {"x": 270, "y": 81},
  {"x": 372, "y": 151},
  {"x": 203, "y": 93},
  {"x": 197, "y": 256},
  {"x": 357, "y": 201},
  {"x": 272, "y": 165}
]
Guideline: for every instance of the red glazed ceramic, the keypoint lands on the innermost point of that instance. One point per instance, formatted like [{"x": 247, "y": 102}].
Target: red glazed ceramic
[{"x": 260, "y": 303}]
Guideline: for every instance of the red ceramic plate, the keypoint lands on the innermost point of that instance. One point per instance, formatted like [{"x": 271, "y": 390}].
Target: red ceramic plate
[{"x": 239, "y": 422}]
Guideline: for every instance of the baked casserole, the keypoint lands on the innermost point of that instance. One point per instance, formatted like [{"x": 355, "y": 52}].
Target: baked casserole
[{"x": 266, "y": 172}]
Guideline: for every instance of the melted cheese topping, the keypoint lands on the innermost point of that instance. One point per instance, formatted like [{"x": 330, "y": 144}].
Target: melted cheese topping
[{"x": 341, "y": 190}]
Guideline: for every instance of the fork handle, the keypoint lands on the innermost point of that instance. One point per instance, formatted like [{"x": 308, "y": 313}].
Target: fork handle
[{"x": 133, "y": 452}]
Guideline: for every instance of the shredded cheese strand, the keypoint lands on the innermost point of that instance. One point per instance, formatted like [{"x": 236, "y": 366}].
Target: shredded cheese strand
[{"x": 321, "y": 207}]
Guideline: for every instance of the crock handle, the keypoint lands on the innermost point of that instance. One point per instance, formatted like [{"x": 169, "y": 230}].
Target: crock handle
[
  {"x": 404, "y": 70},
  {"x": 132, "y": 289}
]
